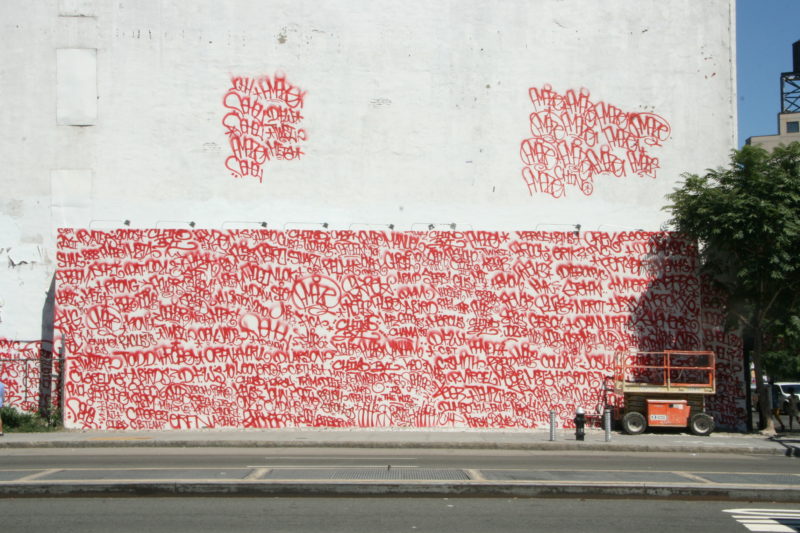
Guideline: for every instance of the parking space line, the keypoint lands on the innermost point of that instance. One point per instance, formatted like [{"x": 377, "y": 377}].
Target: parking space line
[
  {"x": 693, "y": 477},
  {"x": 257, "y": 473},
  {"x": 474, "y": 475},
  {"x": 38, "y": 475}
]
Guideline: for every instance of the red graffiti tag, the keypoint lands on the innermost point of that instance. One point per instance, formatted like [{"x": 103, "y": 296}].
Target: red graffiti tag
[
  {"x": 175, "y": 329},
  {"x": 575, "y": 140},
  {"x": 262, "y": 123}
]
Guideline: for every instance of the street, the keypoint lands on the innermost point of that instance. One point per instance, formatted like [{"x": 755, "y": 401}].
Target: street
[
  {"x": 80, "y": 460},
  {"x": 416, "y": 515}
]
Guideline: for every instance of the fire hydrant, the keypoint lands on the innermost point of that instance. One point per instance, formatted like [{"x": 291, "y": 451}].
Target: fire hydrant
[{"x": 580, "y": 423}]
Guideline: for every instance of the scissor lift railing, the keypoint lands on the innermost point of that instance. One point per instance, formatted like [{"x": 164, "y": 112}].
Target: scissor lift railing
[{"x": 667, "y": 372}]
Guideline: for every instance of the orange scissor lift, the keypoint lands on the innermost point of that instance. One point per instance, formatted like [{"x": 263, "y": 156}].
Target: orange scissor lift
[{"x": 665, "y": 389}]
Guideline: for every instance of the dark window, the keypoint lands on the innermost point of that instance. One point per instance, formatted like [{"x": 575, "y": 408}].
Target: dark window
[{"x": 793, "y": 127}]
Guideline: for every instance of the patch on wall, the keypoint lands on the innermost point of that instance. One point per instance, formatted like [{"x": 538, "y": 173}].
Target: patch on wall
[
  {"x": 262, "y": 123},
  {"x": 575, "y": 140}
]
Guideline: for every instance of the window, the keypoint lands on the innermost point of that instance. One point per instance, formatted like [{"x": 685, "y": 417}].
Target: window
[{"x": 793, "y": 127}]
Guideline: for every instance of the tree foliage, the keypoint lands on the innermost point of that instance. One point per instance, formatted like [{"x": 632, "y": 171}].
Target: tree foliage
[{"x": 746, "y": 220}]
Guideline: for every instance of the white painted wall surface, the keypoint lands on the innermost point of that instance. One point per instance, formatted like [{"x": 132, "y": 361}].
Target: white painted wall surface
[{"x": 414, "y": 110}]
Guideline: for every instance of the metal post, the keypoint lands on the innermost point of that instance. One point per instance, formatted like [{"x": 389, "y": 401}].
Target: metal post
[
  {"x": 580, "y": 424},
  {"x": 25, "y": 381},
  {"x": 607, "y": 423},
  {"x": 552, "y": 424}
]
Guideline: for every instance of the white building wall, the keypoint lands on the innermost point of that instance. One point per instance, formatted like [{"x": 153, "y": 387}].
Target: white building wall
[{"x": 414, "y": 113}]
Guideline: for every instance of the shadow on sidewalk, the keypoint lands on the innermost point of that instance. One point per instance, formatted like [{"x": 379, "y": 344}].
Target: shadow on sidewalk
[{"x": 792, "y": 445}]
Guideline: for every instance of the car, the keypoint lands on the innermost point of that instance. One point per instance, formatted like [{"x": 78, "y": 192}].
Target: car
[{"x": 786, "y": 388}]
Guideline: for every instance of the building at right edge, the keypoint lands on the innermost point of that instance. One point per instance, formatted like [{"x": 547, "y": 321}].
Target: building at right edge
[{"x": 789, "y": 117}]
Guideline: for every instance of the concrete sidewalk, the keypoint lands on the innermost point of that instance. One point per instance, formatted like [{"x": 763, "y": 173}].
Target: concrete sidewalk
[
  {"x": 662, "y": 441},
  {"x": 329, "y": 480}
]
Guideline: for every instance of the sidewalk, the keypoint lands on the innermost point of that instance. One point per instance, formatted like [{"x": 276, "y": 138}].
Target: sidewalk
[
  {"x": 662, "y": 441},
  {"x": 533, "y": 479}
]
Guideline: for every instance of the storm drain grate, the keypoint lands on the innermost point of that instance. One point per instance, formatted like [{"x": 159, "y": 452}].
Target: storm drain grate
[{"x": 395, "y": 474}]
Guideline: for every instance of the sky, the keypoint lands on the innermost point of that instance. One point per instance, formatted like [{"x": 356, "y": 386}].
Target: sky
[{"x": 765, "y": 31}]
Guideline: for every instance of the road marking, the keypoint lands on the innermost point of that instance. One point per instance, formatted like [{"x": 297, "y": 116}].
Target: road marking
[
  {"x": 474, "y": 475},
  {"x": 258, "y": 473},
  {"x": 38, "y": 475},
  {"x": 768, "y": 520},
  {"x": 693, "y": 477}
]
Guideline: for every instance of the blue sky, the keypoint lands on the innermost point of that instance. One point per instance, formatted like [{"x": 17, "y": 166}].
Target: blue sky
[{"x": 765, "y": 31}]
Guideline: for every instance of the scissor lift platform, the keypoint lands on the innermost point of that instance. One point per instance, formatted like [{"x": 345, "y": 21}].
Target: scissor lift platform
[{"x": 666, "y": 389}]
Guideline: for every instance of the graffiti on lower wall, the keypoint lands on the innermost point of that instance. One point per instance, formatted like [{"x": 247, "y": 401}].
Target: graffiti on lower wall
[
  {"x": 576, "y": 140},
  {"x": 262, "y": 123},
  {"x": 267, "y": 329},
  {"x": 30, "y": 374}
]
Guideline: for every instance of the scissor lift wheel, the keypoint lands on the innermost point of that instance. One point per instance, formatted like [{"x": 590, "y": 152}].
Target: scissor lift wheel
[
  {"x": 634, "y": 423},
  {"x": 701, "y": 424}
]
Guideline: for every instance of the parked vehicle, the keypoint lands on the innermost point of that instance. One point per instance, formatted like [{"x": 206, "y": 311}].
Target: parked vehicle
[
  {"x": 665, "y": 389},
  {"x": 786, "y": 388}
]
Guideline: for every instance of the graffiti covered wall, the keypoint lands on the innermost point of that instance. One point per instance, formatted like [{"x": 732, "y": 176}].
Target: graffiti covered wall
[
  {"x": 576, "y": 140},
  {"x": 132, "y": 119},
  {"x": 30, "y": 374},
  {"x": 296, "y": 112},
  {"x": 185, "y": 329}
]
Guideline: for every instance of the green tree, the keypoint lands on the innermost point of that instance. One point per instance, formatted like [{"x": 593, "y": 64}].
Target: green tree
[{"x": 746, "y": 220}]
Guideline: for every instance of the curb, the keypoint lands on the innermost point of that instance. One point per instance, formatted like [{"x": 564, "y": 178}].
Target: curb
[
  {"x": 529, "y": 446},
  {"x": 770, "y": 493}
]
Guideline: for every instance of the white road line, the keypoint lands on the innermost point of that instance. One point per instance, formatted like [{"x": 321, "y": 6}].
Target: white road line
[
  {"x": 693, "y": 477},
  {"x": 258, "y": 473},
  {"x": 765, "y": 513},
  {"x": 38, "y": 475},
  {"x": 772, "y": 526},
  {"x": 474, "y": 475},
  {"x": 768, "y": 520}
]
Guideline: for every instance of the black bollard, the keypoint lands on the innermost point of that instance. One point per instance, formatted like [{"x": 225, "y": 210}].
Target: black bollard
[{"x": 580, "y": 424}]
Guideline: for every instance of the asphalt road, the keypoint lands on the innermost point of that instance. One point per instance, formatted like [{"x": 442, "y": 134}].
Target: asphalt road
[{"x": 416, "y": 515}]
